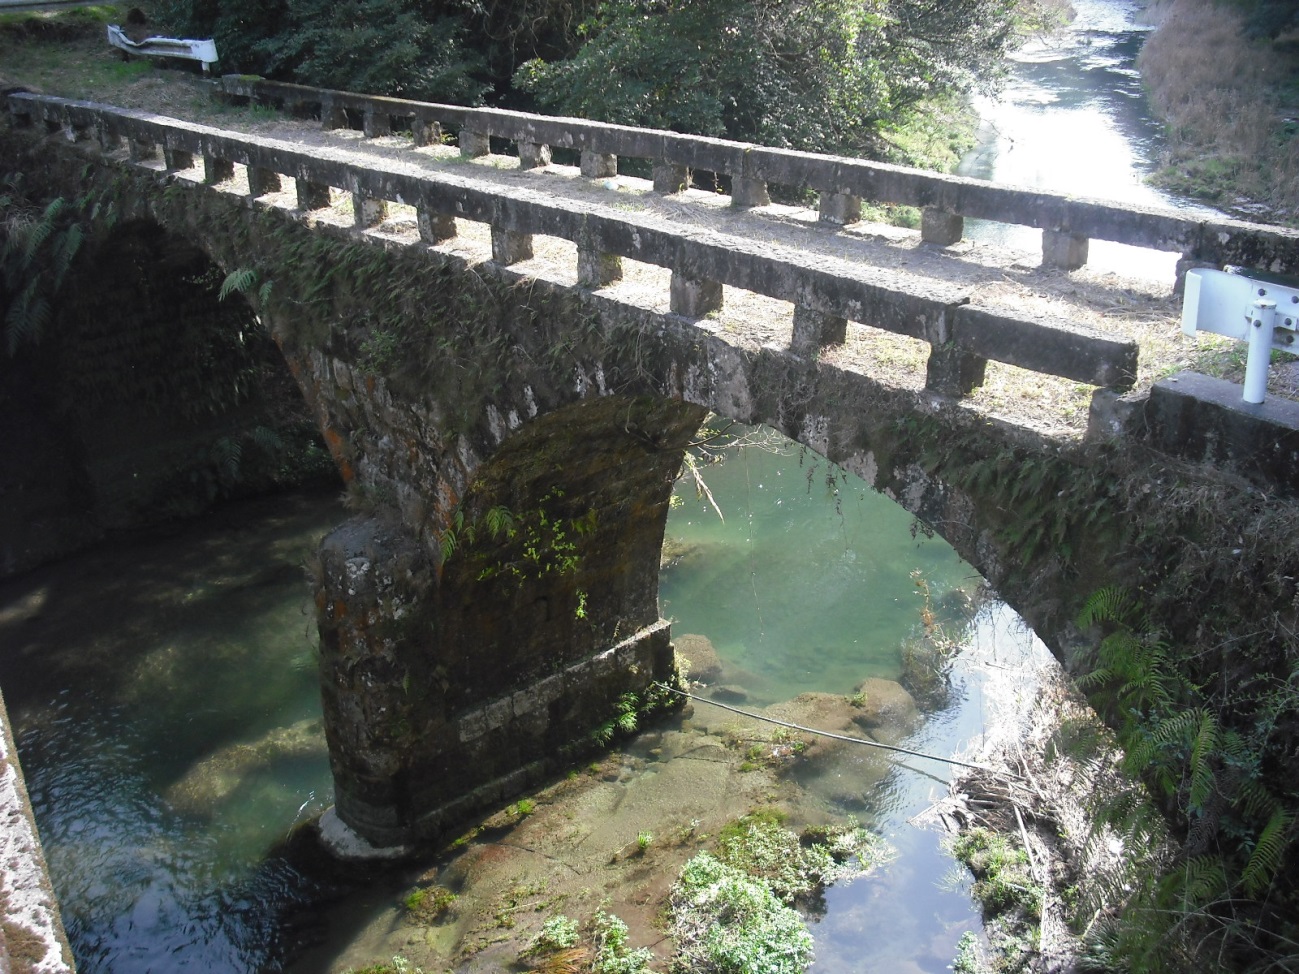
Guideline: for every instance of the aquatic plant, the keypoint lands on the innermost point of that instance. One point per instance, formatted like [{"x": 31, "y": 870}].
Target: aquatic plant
[
  {"x": 612, "y": 953},
  {"x": 728, "y": 922}
]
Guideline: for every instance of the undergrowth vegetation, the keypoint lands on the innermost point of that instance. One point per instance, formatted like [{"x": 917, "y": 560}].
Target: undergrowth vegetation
[
  {"x": 1224, "y": 77},
  {"x": 1212, "y": 758}
]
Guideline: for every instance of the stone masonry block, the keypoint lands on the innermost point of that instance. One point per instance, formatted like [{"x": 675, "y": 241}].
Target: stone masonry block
[
  {"x": 262, "y": 181},
  {"x": 142, "y": 151},
  {"x": 312, "y": 196},
  {"x": 425, "y": 132},
  {"x": 367, "y": 211},
  {"x": 1066, "y": 251},
  {"x": 533, "y": 155},
  {"x": 217, "y": 170},
  {"x": 596, "y": 269},
  {"x": 474, "y": 144},
  {"x": 941, "y": 228},
  {"x": 839, "y": 209},
  {"x": 598, "y": 165},
  {"x": 509, "y": 247},
  {"x": 693, "y": 298},
  {"x": 434, "y": 227},
  {"x": 953, "y": 371},
  {"x": 376, "y": 124},
  {"x": 813, "y": 330},
  {"x": 177, "y": 158},
  {"x": 670, "y": 179},
  {"x": 746, "y": 191}
]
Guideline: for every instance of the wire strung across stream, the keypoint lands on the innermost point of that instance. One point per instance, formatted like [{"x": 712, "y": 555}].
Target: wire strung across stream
[{"x": 999, "y": 772}]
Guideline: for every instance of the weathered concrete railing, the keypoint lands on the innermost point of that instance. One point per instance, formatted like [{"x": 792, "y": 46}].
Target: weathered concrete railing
[
  {"x": 1067, "y": 222},
  {"x": 826, "y": 295}
]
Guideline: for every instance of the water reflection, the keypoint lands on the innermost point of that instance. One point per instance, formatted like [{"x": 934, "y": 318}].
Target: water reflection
[
  {"x": 810, "y": 585},
  {"x": 166, "y": 710},
  {"x": 1073, "y": 118}
]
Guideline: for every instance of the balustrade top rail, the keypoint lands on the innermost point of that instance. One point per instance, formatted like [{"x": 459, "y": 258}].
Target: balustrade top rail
[
  {"x": 1067, "y": 221},
  {"x": 825, "y": 293}
]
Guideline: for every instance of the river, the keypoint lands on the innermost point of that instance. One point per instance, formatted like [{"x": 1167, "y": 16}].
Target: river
[
  {"x": 1073, "y": 118},
  {"x": 164, "y": 691}
]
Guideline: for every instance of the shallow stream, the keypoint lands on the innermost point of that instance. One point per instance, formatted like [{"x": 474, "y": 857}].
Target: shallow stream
[
  {"x": 165, "y": 703},
  {"x": 164, "y": 691}
]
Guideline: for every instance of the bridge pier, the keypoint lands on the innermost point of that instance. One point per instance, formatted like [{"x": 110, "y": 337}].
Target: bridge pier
[{"x": 454, "y": 678}]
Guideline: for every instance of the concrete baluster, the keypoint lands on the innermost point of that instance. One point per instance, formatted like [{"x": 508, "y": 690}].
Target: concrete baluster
[
  {"x": 533, "y": 155},
  {"x": 814, "y": 330},
  {"x": 332, "y": 116},
  {"x": 941, "y": 228},
  {"x": 749, "y": 191},
  {"x": 510, "y": 246},
  {"x": 143, "y": 150},
  {"x": 376, "y": 123},
  {"x": 1064, "y": 250},
  {"x": 595, "y": 268},
  {"x": 217, "y": 170},
  {"x": 839, "y": 209},
  {"x": 598, "y": 165},
  {"x": 425, "y": 131},
  {"x": 434, "y": 227},
  {"x": 109, "y": 141},
  {"x": 474, "y": 144},
  {"x": 670, "y": 179},
  {"x": 177, "y": 159},
  {"x": 953, "y": 371},
  {"x": 366, "y": 210},
  {"x": 262, "y": 181},
  {"x": 693, "y": 298},
  {"x": 311, "y": 196}
]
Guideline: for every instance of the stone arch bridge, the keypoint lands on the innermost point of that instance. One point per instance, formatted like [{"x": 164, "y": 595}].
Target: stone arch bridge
[{"x": 507, "y": 357}]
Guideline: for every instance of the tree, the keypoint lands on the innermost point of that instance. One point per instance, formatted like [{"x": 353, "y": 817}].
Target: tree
[{"x": 824, "y": 75}]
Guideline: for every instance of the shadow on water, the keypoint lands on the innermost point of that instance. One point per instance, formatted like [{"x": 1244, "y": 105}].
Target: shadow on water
[
  {"x": 166, "y": 708},
  {"x": 166, "y": 705}
]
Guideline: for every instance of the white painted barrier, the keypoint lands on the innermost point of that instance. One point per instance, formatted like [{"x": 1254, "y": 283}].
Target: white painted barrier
[
  {"x": 194, "y": 50},
  {"x": 1263, "y": 313}
]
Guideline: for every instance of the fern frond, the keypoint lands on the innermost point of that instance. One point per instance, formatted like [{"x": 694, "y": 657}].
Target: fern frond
[
  {"x": 1110, "y": 604},
  {"x": 237, "y": 281},
  {"x": 1203, "y": 748},
  {"x": 1268, "y": 854}
]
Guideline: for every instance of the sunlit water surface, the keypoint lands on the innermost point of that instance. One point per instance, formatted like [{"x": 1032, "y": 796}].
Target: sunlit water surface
[
  {"x": 1073, "y": 118},
  {"x": 165, "y": 701}
]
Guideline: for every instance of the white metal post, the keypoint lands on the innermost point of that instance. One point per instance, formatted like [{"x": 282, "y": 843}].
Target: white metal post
[{"x": 1262, "y": 316}]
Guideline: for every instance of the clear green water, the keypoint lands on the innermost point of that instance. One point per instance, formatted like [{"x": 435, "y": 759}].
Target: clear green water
[
  {"x": 164, "y": 698},
  {"x": 806, "y": 584}
]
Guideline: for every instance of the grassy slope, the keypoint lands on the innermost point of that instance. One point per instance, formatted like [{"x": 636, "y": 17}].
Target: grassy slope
[{"x": 1230, "y": 106}]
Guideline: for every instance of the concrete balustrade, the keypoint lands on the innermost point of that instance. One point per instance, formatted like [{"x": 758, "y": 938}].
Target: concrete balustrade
[
  {"x": 262, "y": 181},
  {"x": 826, "y": 296},
  {"x": 945, "y": 200},
  {"x": 216, "y": 170}
]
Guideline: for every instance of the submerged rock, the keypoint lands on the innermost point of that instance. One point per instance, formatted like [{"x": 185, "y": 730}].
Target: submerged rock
[
  {"x": 705, "y": 666},
  {"x": 219, "y": 775},
  {"x": 879, "y": 703}
]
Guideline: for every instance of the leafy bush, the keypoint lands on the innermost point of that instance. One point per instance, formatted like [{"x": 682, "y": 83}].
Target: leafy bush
[
  {"x": 388, "y": 47},
  {"x": 727, "y": 922},
  {"x": 810, "y": 74}
]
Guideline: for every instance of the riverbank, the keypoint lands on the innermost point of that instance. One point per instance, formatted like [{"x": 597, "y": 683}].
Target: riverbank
[{"x": 1230, "y": 106}]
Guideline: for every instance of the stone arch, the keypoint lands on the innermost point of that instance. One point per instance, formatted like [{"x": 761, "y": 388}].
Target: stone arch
[
  {"x": 145, "y": 397},
  {"x": 450, "y": 685}
]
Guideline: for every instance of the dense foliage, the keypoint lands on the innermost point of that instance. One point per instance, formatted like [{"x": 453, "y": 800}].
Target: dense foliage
[
  {"x": 829, "y": 75},
  {"x": 814, "y": 74}
]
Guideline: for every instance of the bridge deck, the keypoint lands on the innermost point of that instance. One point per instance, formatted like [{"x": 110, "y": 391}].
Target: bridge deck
[
  {"x": 976, "y": 276},
  {"x": 989, "y": 276}
]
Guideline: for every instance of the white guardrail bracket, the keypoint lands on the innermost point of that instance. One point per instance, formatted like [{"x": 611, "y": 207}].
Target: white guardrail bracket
[{"x": 1264, "y": 314}]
